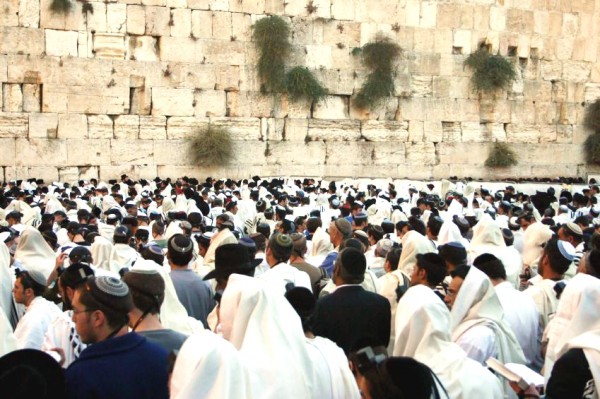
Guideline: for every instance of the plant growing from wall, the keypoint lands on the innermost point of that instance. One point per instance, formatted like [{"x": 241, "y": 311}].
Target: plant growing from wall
[
  {"x": 271, "y": 36},
  {"x": 501, "y": 156},
  {"x": 212, "y": 146},
  {"x": 591, "y": 145},
  {"x": 490, "y": 72},
  {"x": 380, "y": 57},
  {"x": 301, "y": 84},
  {"x": 61, "y": 6}
]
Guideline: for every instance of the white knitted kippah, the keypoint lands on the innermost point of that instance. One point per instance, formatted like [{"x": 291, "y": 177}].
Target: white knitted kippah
[{"x": 112, "y": 286}]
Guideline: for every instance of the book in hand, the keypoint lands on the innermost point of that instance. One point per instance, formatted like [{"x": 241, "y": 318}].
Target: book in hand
[{"x": 520, "y": 374}]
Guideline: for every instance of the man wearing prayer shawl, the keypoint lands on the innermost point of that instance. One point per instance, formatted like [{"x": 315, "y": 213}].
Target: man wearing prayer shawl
[{"x": 422, "y": 333}]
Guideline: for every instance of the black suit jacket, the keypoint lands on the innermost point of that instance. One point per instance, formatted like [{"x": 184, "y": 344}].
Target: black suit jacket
[{"x": 351, "y": 316}]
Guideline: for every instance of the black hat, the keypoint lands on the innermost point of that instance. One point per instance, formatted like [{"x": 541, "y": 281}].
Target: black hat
[
  {"x": 31, "y": 373},
  {"x": 453, "y": 252},
  {"x": 232, "y": 258},
  {"x": 80, "y": 254}
]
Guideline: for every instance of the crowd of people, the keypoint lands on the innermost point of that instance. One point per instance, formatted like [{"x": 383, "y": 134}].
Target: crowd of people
[{"x": 271, "y": 288}]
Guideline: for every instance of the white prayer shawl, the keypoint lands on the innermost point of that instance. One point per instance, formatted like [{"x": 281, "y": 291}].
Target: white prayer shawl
[
  {"x": 208, "y": 367},
  {"x": 321, "y": 243},
  {"x": 122, "y": 256},
  {"x": 33, "y": 325},
  {"x": 389, "y": 282},
  {"x": 266, "y": 330},
  {"x": 544, "y": 296},
  {"x": 559, "y": 327},
  {"x": 107, "y": 231},
  {"x": 58, "y": 335},
  {"x": 223, "y": 237},
  {"x": 477, "y": 305},
  {"x": 172, "y": 229},
  {"x": 6, "y": 283},
  {"x": 172, "y": 313},
  {"x": 413, "y": 243},
  {"x": 422, "y": 333},
  {"x": 101, "y": 250},
  {"x": 281, "y": 274},
  {"x": 8, "y": 341},
  {"x": 533, "y": 238},
  {"x": 328, "y": 359},
  {"x": 590, "y": 343},
  {"x": 167, "y": 206},
  {"x": 449, "y": 232},
  {"x": 34, "y": 253}
]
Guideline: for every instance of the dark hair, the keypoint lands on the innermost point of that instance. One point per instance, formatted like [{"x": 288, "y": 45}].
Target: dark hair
[
  {"x": 434, "y": 265},
  {"x": 558, "y": 263},
  {"x": 147, "y": 291},
  {"x": 509, "y": 237},
  {"x": 376, "y": 232},
  {"x": 264, "y": 229},
  {"x": 312, "y": 224},
  {"x": 28, "y": 282},
  {"x": 394, "y": 257},
  {"x": 434, "y": 224},
  {"x": 592, "y": 263},
  {"x": 460, "y": 271},
  {"x": 158, "y": 228},
  {"x": 491, "y": 266},
  {"x": 174, "y": 249},
  {"x": 416, "y": 224},
  {"x": 351, "y": 263}
]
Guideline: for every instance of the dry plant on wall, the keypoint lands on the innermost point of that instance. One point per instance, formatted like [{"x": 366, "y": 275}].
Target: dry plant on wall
[
  {"x": 302, "y": 85},
  {"x": 592, "y": 143},
  {"x": 490, "y": 72},
  {"x": 271, "y": 37},
  {"x": 212, "y": 146},
  {"x": 61, "y": 6},
  {"x": 380, "y": 57},
  {"x": 501, "y": 156}
]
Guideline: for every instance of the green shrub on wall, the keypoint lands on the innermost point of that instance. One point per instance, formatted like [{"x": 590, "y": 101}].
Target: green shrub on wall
[
  {"x": 501, "y": 156},
  {"x": 211, "y": 147},
  {"x": 380, "y": 57},
  {"x": 490, "y": 72},
  {"x": 301, "y": 84},
  {"x": 61, "y": 6},
  {"x": 271, "y": 36},
  {"x": 591, "y": 145},
  {"x": 592, "y": 116}
]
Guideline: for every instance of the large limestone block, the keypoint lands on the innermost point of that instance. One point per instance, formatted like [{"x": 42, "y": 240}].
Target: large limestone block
[
  {"x": 592, "y": 92},
  {"x": 185, "y": 127},
  {"x": 88, "y": 152},
  {"x": 16, "y": 40},
  {"x": 387, "y": 109},
  {"x": 420, "y": 154},
  {"x": 136, "y": 152},
  {"x": 54, "y": 98},
  {"x": 153, "y": 128},
  {"x": 564, "y": 134},
  {"x": 202, "y": 24},
  {"x": 388, "y": 153},
  {"x": 560, "y": 154},
  {"x": 157, "y": 21},
  {"x": 227, "y": 77},
  {"x": 385, "y": 130},
  {"x": 74, "y": 20},
  {"x": 451, "y": 132},
  {"x": 12, "y": 97},
  {"x": 548, "y": 134},
  {"x": 180, "y": 49},
  {"x": 342, "y": 9},
  {"x": 519, "y": 20},
  {"x": 43, "y": 125},
  {"x": 198, "y": 4},
  {"x": 422, "y": 86},
  {"x": 171, "y": 152},
  {"x": 109, "y": 45},
  {"x": 181, "y": 22},
  {"x": 221, "y": 25},
  {"x": 474, "y": 132},
  {"x": 433, "y": 131},
  {"x": 332, "y": 107},
  {"x": 241, "y": 27},
  {"x": 242, "y": 129},
  {"x": 99, "y": 127},
  {"x": 61, "y": 43},
  {"x": 346, "y": 153},
  {"x": 249, "y": 153},
  {"x": 96, "y": 21},
  {"x": 271, "y": 129},
  {"x": 41, "y": 152},
  {"x": 210, "y": 103},
  {"x": 136, "y": 20},
  {"x": 116, "y": 18},
  {"x": 172, "y": 102},
  {"x": 296, "y": 129},
  {"x": 415, "y": 131},
  {"x": 333, "y": 130},
  {"x": 10, "y": 13},
  {"x": 229, "y": 53},
  {"x": 293, "y": 153},
  {"x": 127, "y": 127},
  {"x": 29, "y": 13},
  {"x": 576, "y": 71},
  {"x": 463, "y": 153},
  {"x": 337, "y": 82},
  {"x": 522, "y": 133},
  {"x": 93, "y": 100},
  {"x": 318, "y": 56},
  {"x": 143, "y": 48},
  {"x": 255, "y": 104},
  {"x": 13, "y": 125},
  {"x": 72, "y": 126},
  {"x": 462, "y": 40},
  {"x": 8, "y": 152}
]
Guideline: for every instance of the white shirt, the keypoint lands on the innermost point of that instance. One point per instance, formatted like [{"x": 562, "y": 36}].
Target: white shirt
[
  {"x": 479, "y": 342},
  {"x": 33, "y": 325},
  {"x": 61, "y": 333},
  {"x": 282, "y": 274}
]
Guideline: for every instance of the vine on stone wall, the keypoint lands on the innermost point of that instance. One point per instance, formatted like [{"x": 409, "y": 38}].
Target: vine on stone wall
[
  {"x": 490, "y": 72},
  {"x": 501, "y": 156},
  {"x": 380, "y": 57},
  {"x": 212, "y": 146}
]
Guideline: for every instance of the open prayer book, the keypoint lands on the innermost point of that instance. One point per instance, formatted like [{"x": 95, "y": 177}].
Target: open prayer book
[{"x": 522, "y": 375}]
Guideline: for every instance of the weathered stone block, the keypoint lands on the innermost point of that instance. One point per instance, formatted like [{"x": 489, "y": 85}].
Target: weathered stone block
[
  {"x": 126, "y": 127},
  {"x": 121, "y": 153},
  {"x": 12, "y": 97},
  {"x": 385, "y": 130},
  {"x": 153, "y": 128},
  {"x": 72, "y": 126},
  {"x": 13, "y": 125},
  {"x": 181, "y": 22},
  {"x": 74, "y": 20},
  {"x": 43, "y": 125},
  {"x": 82, "y": 152},
  {"x": 346, "y": 153},
  {"x": 136, "y": 20},
  {"x": 41, "y": 152},
  {"x": 463, "y": 153},
  {"x": 420, "y": 153},
  {"x": 522, "y": 133},
  {"x": 8, "y": 152},
  {"x": 342, "y": 10},
  {"x": 172, "y": 102},
  {"x": 271, "y": 129},
  {"x": 318, "y": 56},
  {"x": 61, "y": 43},
  {"x": 432, "y": 131},
  {"x": 333, "y": 130},
  {"x": 548, "y": 134},
  {"x": 29, "y": 13},
  {"x": 294, "y": 153},
  {"x": 386, "y": 109},
  {"x": 96, "y": 21},
  {"x": 171, "y": 152},
  {"x": 210, "y": 103},
  {"x": 576, "y": 71},
  {"x": 422, "y": 86},
  {"x": 249, "y": 153},
  {"x": 109, "y": 45},
  {"x": 253, "y": 104},
  {"x": 415, "y": 131},
  {"x": 185, "y": 127},
  {"x": 202, "y": 24},
  {"x": 116, "y": 18},
  {"x": 143, "y": 48},
  {"x": 21, "y": 40},
  {"x": 99, "y": 127},
  {"x": 296, "y": 129},
  {"x": 451, "y": 132},
  {"x": 199, "y": 4},
  {"x": 180, "y": 49},
  {"x": 157, "y": 21},
  {"x": 474, "y": 132},
  {"x": 332, "y": 107},
  {"x": 242, "y": 129}
]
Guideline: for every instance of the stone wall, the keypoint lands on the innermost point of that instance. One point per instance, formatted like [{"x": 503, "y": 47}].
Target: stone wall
[{"x": 120, "y": 89}]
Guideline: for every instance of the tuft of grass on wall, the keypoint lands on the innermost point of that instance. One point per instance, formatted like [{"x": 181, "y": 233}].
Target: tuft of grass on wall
[
  {"x": 490, "y": 72},
  {"x": 380, "y": 57},
  {"x": 591, "y": 147},
  {"x": 211, "y": 147},
  {"x": 271, "y": 37},
  {"x": 501, "y": 156},
  {"x": 592, "y": 116},
  {"x": 61, "y": 6},
  {"x": 301, "y": 84}
]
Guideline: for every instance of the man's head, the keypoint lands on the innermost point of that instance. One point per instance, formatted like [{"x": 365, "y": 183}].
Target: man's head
[
  {"x": 72, "y": 278},
  {"x": 429, "y": 270},
  {"x": 100, "y": 308},
  {"x": 349, "y": 267},
  {"x": 556, "y": 258},
  {"x": 491, "y": 266},
  {"x": 230, "y": 259},
  {"x": 279, "y": 249},
  {"x": 147, "y": 289},
  {"x": 458, "y": 277},
  {"x": 454, "y": 254},
  {"x": 571, "y": 233},
  {"x": 339, "y": 230},
  {"x": 299, "y": 245},
  {"x": 28, "y": 285},
  {"x": 80, "y": 254},
  {"x": 434, "y": 224},
  {"x": 180, "y": 250},
  {"x": 122, "y": 235}
]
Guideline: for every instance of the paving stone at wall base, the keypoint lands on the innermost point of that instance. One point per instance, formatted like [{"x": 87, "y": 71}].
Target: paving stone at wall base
[
  {"x": 41, "y": 152},
  {"x": 333, "y": 130}
]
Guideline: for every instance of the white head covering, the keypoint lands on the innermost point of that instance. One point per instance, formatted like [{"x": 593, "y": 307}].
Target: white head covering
[
  {"x": 34, "y": 253},
  {"x": 122, "y": 256},
  {"x": 209, "y": 367},
  {"x": 413, "y": 243},
  {"x": 450, "y": 232},
  {"x": 8, "y": 341},
  {"x": 264, "y": 327},
  {"x": 321, "y": 243},
  {"x": 6, "y": 283},
  {"x": 101, "y": 249},
  {"x": 535, "y": 235},
  {"x": 422, "y": 333}
]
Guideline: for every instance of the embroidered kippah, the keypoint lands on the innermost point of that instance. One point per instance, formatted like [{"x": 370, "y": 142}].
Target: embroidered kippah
[
  {"x": 283, "y": 240},
  {"x": 111, "y": 286}
]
